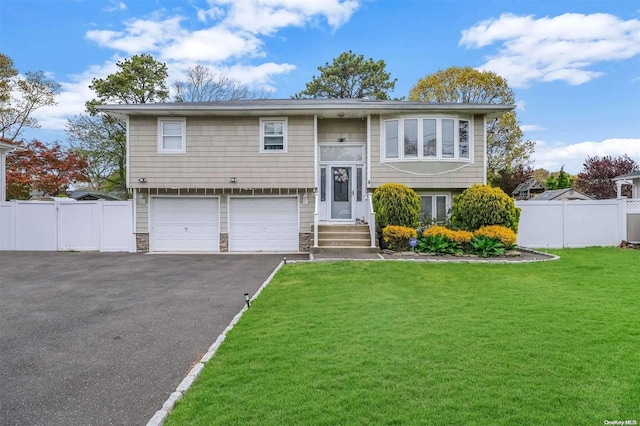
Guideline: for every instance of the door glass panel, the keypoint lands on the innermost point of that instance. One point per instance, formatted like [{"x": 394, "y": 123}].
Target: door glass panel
[
  {"x": 323, "y": 184},
  {"x": 359, "y": 184},
  {"x": 341, "y": 193}
]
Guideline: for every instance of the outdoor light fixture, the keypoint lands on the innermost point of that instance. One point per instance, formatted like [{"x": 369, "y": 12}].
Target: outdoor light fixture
[
  {"x": 246, "y": 299},
  {"x": 285, "y": 259},
  {"x": 142, "y": 180},
  {"x": 233, "y": 180}
]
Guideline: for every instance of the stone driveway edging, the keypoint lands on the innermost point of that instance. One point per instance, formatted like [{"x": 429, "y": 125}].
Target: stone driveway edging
[{"x": 161, "y": 415}]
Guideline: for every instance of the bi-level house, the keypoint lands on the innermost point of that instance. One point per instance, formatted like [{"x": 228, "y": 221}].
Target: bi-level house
[{"x": 265, "y": 175}]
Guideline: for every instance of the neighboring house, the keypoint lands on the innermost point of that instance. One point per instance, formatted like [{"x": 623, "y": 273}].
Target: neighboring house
[
  {"x": 256, "y": 175},
  {"x": 92, "y": 196},
  {"x": 5, "y": 148},
  {"x": 561, "y": 194},
  {"x": 528, "y": 189},
  {"x": 632, "y": 179}
]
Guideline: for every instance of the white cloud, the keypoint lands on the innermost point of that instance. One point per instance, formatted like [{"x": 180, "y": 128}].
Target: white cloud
[
  {"x": 228, "y": 39},
  {"x": 73, "y": 96},
  {"x": 560, "y": 48},
  {"x": 140, "y": 35},
  {"x": 115, "y": 6},
  {"x": 216, "y": 44},
  {"x": 553, "y": 156},
  {"x": 268, "y": 16}
]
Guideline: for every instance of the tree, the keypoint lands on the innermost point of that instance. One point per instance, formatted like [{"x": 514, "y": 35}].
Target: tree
[
  {"x": 103, "y": 143},
  {"x": 140, "y": 80},
  {"x": 102, "y": 139},
  {"x": 508, "y": 180},
  {"x": 506, "y": 150},
  {"x": 40, "y": 168},
  {"x": 597, "y": 173},
  {"x": 559, "y": 180},
  {"x": 350, "y": 76},
  {"x": 20, "y": 97},
  {"x": 203, "y": 85}
]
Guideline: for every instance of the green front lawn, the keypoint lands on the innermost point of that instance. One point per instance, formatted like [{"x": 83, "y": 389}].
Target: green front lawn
[{"x": 427, "y": 343}]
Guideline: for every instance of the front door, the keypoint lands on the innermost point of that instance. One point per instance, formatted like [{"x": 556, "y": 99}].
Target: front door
[{"x": 342, "y": 191}]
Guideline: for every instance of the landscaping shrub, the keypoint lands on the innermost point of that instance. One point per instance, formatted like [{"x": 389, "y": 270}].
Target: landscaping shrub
[
  {"x": 486, "y": 246},
  {"x": 396, "y": 204},
  {"x": 397, "y": 237},
  {"x": 461, "y": 237},
  {"x": 483, "y": 205},
  {"x": 505, "y": 235}
]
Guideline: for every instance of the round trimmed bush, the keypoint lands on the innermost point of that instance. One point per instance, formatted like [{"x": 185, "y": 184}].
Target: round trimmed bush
[
  {"x": 483, "y": 205},
  {"x": 396, "y": 204}
]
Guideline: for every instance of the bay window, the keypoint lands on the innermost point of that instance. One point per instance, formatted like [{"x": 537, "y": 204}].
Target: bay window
[{"x": 441, "y": 139}]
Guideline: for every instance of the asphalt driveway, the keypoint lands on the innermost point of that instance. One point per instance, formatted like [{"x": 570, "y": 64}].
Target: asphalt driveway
[{"x": 100, "y": 338}]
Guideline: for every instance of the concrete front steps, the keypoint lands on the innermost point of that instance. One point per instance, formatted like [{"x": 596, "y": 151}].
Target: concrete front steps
[{"x": 344, "y": 239}]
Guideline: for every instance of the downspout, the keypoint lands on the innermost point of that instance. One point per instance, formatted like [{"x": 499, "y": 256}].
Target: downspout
[
  {"x": 316, "y": 193},
  {"x": 368, "y": 151},
  {"x": 486, "y": 154}
]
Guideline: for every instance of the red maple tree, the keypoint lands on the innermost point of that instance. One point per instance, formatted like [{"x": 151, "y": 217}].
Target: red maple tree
[
  {"x": 49, "y": 169},
  {"x": 596, "y": 177}
]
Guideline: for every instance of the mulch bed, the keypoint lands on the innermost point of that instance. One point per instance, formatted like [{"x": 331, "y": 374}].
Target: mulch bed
[{"x": 628, "y": 245}]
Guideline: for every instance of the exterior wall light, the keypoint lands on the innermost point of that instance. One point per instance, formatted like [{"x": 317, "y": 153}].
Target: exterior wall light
[{"x": 233, "y": 180}]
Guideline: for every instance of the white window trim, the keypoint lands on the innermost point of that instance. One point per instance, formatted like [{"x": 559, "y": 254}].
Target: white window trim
[
  {"x": 446, "y": 194},
  {"x": 161, "y": 149},
  {"x": 421, "y": 156},
  {"x": 285, "y": 131}
]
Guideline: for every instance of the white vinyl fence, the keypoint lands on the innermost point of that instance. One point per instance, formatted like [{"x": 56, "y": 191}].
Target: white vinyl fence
[
  {"x": 565, "y": 224},
  {"x": 67, "y": 225}
]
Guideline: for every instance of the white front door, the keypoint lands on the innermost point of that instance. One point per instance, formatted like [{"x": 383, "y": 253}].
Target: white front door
[{"x": 342, "y": 191}]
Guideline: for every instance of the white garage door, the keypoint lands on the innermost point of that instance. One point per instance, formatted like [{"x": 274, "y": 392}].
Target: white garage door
[
  {"x": 263, "y": 224},
  {"x": 184, "y": 224}
]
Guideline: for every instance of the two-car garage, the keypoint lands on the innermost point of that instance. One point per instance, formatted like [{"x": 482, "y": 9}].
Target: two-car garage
[{"x": 191, "y": 223}]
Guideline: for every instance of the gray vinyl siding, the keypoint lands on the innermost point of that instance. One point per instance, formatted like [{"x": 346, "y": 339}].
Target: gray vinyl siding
[
  {"x": 219, "y": 148},
  {"x": 428, "y": 174},
  {"x": 333, "y": 129}
]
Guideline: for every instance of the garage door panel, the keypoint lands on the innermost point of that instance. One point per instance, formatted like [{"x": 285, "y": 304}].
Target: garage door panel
[
  {"x": 184, "y": 224},
  {"x": 263, "y": 224}
]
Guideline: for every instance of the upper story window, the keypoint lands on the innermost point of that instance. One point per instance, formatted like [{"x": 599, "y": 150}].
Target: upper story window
[
  {"x": 172, "y": 135},
  {"x": 427, "y": 139},
  {"x": 273, "y": 135}
]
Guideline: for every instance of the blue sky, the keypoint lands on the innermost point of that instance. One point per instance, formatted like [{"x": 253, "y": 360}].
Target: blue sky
[{"x": 574, "y": 65}]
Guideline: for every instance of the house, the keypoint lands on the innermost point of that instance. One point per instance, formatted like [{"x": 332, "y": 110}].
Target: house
[
  {"x": 265, "y": 175},
  {"x": 528, "y": 189},
  {"x": 92, "y": 196},
  {"x": 561, "y": 194}
]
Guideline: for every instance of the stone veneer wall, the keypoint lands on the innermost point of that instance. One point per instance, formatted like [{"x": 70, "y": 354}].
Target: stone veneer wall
[
  {"x": 142, "y": 243},
  {"x": 304, "y": 242}
]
